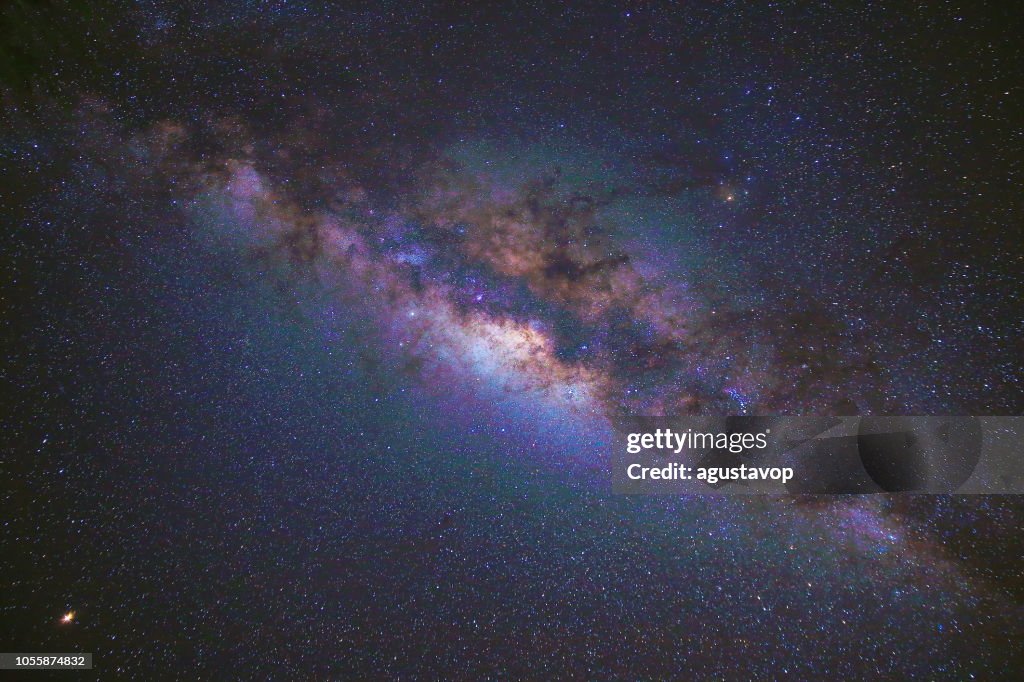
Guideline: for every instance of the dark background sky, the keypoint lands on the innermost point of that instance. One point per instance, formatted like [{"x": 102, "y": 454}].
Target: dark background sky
[{"x": 227, "y": 470}]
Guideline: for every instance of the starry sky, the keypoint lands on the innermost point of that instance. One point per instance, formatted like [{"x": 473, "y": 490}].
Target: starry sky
[{"x": 318, "y": 320}]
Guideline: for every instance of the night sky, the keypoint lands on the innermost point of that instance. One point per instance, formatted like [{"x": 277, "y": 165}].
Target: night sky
[{"x": 316, "y": 323}]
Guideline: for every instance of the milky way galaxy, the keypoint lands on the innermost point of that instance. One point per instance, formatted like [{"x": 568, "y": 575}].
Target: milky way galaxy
[
  {"x": 524, "y": 285},
  {"x": 322, "y": 322}
]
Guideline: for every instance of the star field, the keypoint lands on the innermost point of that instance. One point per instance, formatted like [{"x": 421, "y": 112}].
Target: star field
[{"x": 318, "y": 322}]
